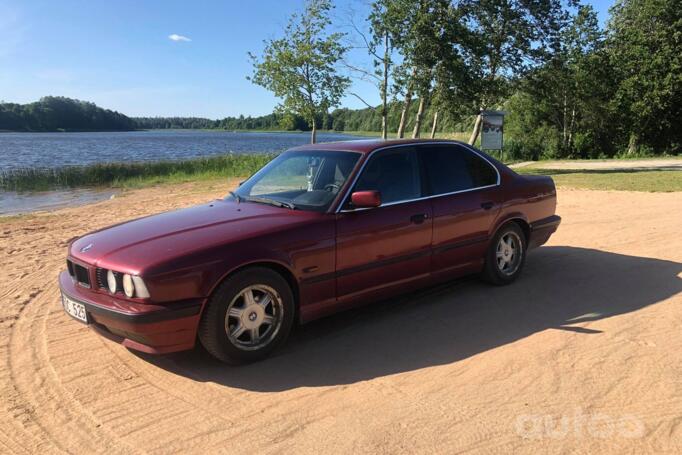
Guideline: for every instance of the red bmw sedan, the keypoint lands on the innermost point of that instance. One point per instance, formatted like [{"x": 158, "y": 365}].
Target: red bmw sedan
[{"x": 319, "y": 229}]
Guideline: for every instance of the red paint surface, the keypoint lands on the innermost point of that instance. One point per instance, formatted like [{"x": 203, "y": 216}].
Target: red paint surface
[{"x": 333, "y": 260}]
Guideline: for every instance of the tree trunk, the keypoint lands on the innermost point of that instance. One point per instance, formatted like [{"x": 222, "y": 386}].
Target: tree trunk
[
  {"x": 477, "y": 129},
  {"x": 434, "y": 125},
  {"x": 418, "y": 118},
  {"x": 384, "y": 91},
  {"x": 570, "y": 128},
  {"x": 384, "y": 126},
  {"x": 633, "y": 145},
  {"x": 313, "y": 134},
  {"x": 565, "y": 121},
  {"x": 403, "y": 114}
]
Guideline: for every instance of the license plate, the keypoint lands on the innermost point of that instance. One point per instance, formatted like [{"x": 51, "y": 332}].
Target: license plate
[{"x": 74, "y": 309}]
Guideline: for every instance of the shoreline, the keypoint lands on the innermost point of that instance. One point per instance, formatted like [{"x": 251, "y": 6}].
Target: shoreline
[
  {"x": 132, "y": 174},
  {"x": 26, "y": 191},
  {"x": 13, "y": 204}
]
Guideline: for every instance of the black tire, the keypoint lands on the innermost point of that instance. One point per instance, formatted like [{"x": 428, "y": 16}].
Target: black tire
[
  {"x": 214, "y": 325},
  {"x": 492, "y": 271}
]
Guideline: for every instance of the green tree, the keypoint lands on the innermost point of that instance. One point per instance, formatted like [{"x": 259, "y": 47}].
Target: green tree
[
  {"x": 563, "y": 105},
  {"x": 378, "y": 41},
  {"x": 405, "y": 19},
  {"x": 645, "y": 46},
  {"x": 301, "y": 67},
  {"x": 383, "y": 19},
  {"x": 510, "y": 37},
  {"x": 57, "y": 113},
  {"x": 453, "y": 45},
  {"x": 420, "y": 31}
]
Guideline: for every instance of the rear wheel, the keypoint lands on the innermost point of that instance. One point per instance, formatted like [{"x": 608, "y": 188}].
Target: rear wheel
[
  {"x": 506, "y": 255},
  {"x": 249, "y": 315}
]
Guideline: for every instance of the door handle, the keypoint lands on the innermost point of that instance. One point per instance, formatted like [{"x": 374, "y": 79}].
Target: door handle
[
  {"x": 487, "y": 205},
  {"x": 419, "y": 218}
]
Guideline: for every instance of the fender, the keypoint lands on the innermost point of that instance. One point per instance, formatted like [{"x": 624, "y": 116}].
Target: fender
[
  {"x": 507, "y": 217},
  {"x": 276, "y": 258}
]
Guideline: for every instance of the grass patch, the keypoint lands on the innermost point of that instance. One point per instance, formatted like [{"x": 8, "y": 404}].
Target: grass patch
[
  {"x": 133, "y": 174},
  {"x": 618, "y": 180},
  {"x": 615, "y": 159}
]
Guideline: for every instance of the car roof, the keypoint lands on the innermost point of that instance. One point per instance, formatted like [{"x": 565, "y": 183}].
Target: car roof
[{"x": 367, "y": 145}]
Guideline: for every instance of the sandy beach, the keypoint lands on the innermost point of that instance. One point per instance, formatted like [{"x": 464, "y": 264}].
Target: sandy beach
[{"x": 582, "y": 354}]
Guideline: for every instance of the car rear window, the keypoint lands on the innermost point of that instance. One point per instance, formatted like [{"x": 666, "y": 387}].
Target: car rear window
[{"x": 455, "y": 168}]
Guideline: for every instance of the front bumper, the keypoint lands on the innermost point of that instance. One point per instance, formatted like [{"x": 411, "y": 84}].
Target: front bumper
[{"x": 155, "y": 329}]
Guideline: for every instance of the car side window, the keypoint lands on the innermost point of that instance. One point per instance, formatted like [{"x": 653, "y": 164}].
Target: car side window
[
  {"x": 394, "y": 173},
  {"x": 482, "y": 172},
  {"x": 453, "y": 168}
]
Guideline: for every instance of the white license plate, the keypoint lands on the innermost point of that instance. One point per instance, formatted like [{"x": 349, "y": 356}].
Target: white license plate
[{"x": 75, "y": 309}]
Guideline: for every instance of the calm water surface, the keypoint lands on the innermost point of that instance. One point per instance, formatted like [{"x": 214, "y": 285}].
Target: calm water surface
[
  {"x": 22, "y": 150},
  {"x": 50, "y": 150}
]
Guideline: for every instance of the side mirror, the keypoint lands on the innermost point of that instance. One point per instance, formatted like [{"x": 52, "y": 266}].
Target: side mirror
[{"x": 366, "y": 199}]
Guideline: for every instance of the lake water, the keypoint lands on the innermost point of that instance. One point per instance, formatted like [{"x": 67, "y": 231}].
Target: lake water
[
  {"x": 50, "y": 150},
  {"x": 13, "y": 203},
  {"x": 22, "y": 150}
]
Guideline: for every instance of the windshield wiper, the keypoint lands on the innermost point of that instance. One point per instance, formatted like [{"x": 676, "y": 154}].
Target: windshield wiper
[
  {"x": 236, "y": 196},
  {"x": 263, "y": 200}
]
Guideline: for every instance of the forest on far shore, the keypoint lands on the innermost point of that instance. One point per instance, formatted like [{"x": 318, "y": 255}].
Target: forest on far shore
[{"x": 57, "y": 113}]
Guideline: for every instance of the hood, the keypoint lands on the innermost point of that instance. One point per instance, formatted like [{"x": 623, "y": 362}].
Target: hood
[{"x": 132, "y": 246}]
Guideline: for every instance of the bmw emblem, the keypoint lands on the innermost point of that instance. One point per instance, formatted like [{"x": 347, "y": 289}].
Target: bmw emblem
[{"x": 86, "y": 248}]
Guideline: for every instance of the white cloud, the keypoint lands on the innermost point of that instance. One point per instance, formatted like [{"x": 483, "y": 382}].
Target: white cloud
[{"x": 175, "y": 37}]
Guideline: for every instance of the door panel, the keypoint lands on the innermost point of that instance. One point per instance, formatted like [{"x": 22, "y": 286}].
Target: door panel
[
  {"x": 466, "y": 200},
  {"x": 460, "y": 229},
  {"x": 382, "y": 247}
]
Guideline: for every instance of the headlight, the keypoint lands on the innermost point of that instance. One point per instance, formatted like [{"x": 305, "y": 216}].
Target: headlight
[
  {"x": 111, "y": 281},
  {"x": 140, "y": 288},
  {"x": 128, "y": 286}
]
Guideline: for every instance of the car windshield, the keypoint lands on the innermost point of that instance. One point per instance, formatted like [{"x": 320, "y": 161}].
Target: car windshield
[{"x": 306, "y": 180}]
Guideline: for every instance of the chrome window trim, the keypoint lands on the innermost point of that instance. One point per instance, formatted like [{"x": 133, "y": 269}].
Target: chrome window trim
[{"x": 415, "y": 144}]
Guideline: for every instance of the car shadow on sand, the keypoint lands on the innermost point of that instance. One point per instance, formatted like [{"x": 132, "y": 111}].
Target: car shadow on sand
[{"x": 560, "y": 288}]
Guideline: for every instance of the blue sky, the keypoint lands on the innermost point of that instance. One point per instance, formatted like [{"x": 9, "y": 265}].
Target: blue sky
[{"x": 124, "y": 54}]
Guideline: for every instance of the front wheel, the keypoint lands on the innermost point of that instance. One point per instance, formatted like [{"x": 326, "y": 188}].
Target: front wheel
[
  {"x": 249, "y": 315},
  {"x": 506, "y": 255}
]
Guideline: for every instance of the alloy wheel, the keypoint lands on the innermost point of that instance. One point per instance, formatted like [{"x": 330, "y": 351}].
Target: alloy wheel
[
  {"x": 508, "y": 253},
  {"x": 254, "y": 317}
]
